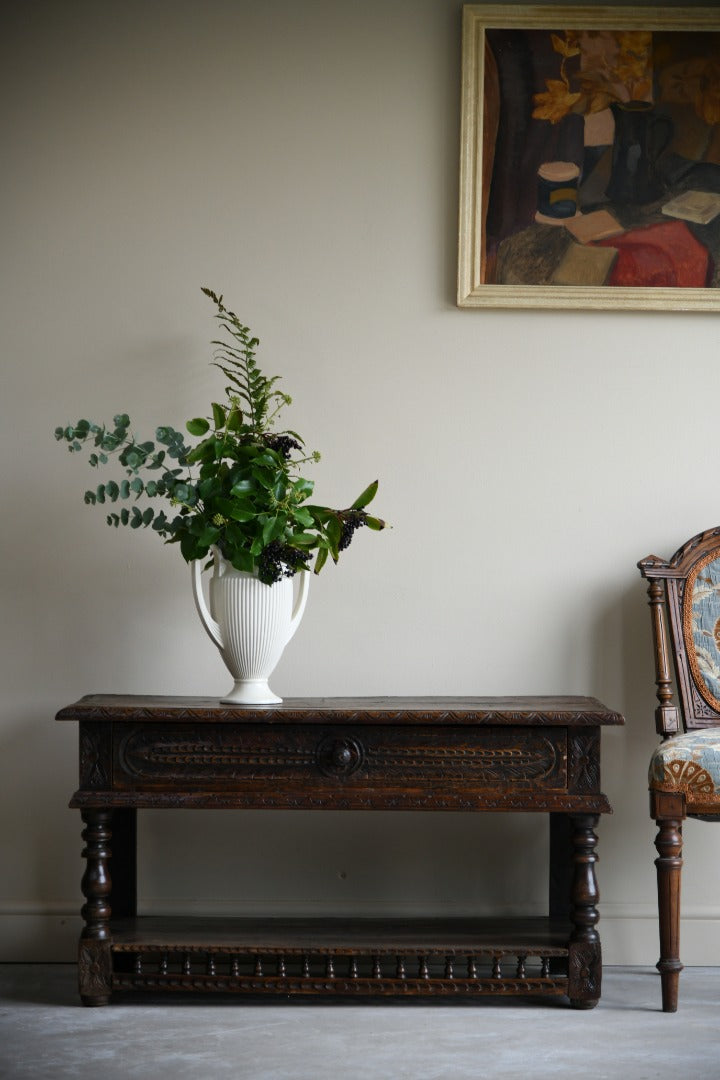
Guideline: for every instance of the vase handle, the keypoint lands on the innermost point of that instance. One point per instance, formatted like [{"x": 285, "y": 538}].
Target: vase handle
[
  {"x": 300, "y": 601},
  {"x": 212, "y": 627}
]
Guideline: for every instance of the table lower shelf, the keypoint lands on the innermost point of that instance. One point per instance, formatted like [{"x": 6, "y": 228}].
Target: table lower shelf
[{"x": 332, "y": 957}]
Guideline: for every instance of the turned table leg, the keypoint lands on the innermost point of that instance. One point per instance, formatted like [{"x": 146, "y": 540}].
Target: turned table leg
[
  {"x": 584, "y": 957},
  {"x": 94, "y": 958},
  {"x": 669, "y": 817}
]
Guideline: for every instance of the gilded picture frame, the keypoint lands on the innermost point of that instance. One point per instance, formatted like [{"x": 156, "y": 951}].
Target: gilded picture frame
[{"x": 590, "y": 158}]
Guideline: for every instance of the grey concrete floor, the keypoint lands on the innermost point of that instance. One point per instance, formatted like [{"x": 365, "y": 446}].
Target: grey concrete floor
[{"x": 46, "y": 1035}]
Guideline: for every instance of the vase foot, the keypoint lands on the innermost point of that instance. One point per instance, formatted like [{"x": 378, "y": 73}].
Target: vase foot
[{"x": 251, "y": 692}]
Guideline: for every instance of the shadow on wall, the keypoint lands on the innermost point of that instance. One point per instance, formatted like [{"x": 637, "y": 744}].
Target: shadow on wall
[
  {"x": 347, "y": 863},
  {"x": 624, "y": 676},
  {"x": 622, "y": 657}
]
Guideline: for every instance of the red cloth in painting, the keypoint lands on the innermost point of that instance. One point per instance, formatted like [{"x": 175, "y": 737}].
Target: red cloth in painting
[{"x": 655, "y": 255}]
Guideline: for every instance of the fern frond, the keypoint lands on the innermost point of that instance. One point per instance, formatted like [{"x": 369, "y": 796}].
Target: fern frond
[{"x": 235, "y": 357}]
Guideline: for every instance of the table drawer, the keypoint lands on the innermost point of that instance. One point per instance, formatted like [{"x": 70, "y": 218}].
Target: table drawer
[{"x": 238, "y": 756}]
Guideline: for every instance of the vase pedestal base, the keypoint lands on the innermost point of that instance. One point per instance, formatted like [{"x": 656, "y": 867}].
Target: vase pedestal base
[{"x": 251, "y": 692}]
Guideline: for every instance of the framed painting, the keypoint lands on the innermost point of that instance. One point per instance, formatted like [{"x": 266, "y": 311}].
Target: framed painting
[{"x": 590, "y": 158}]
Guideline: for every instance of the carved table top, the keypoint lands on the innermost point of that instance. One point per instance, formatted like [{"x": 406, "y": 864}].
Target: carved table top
[
  {"x": 566, "y": 711},
  {"x": 343, "y": 753}
]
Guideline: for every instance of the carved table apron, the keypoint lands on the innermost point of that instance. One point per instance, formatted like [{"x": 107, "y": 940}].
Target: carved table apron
[{"x": 480, "y": 754}]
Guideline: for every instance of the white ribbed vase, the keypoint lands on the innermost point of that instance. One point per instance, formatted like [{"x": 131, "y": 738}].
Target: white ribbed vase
[{"x": 251, "y": 623}]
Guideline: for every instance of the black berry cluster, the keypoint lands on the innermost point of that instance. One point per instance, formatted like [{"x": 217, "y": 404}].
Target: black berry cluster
[
  {"x": 352, "y": 520},
  {"x": 282, "y": 444},
  {"x": 279, "y": 560}
]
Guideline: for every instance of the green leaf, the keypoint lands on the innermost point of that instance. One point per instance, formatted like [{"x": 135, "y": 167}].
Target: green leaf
[
  {"x": 304, "y": 539},
  {"x": 333, "y": 530},
  {"x": 100, "y": 493},
  {"x": 321, "y": 560},
  {"x": 209, "y": 535},
  {"x": 375, "y": 523},
  {"x": 112, "y": 491},
  {"x": 303, "y": 517},
  {"x": 198, "y": 426},
  {"x": 265, "y": 477},
  {"x": 234, "y": 420},
  {"x": 204, "y": 451},
  {"x": 272, "y": 528},
  {"x": 157, "y": 460},
  {"x": 189, "y": 548},
  {"x": 90, "y": 498},
  {"x": 122, "y": 420},
  {"x": 320, "y": 514},
  {"x": 236, "y": 513},
  {"x": 303, "y": 488},
  {"x": 148, "y": 515},
  {"x": 243, "y": 560},
  {"x": 367, "y": 496},
  {"x": 219, "y": 415}
]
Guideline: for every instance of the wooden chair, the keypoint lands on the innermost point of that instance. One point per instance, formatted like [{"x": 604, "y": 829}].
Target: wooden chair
[{"x": 684, "y": 775}]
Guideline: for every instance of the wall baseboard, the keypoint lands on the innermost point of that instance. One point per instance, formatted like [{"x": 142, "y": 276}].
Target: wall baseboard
[{"x": 627, "y": 939}]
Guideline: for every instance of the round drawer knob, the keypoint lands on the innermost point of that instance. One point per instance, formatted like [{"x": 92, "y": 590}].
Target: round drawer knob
[{"x": 339, "y": 755}]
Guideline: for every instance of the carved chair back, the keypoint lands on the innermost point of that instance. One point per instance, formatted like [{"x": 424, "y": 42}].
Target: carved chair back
[{"x": 684, "y": 595}]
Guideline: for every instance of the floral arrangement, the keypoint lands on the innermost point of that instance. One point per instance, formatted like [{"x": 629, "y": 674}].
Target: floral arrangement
[
  {"x": 599, "y": 67},
  {"x": 238, "y": 488},
  {"x": 616, "y": 66}
]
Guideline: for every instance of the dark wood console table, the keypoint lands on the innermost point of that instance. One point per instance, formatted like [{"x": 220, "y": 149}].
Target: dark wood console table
[{"x": 485, "y": 754}]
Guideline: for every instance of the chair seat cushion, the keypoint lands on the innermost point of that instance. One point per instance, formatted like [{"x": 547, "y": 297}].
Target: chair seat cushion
[{"x": 690, "y": 764}]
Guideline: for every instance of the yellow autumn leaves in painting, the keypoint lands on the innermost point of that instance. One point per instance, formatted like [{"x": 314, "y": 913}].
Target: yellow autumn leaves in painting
[
  {"x": 695, "y": 82},
  {"x": 614, "y": 66},
  {"x": 559, "y": 100},
  {"x": 707, "y": 98},
  {"x": 617, "y": 65}
]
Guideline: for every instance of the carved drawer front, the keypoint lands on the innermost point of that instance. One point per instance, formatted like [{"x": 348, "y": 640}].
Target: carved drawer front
[{"x": 230, "y": 756}]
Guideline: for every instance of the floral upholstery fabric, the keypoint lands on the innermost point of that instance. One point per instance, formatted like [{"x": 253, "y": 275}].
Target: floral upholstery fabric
[
  {"x": 702, "y": 629},
  {"x": 690, "y": 764}
]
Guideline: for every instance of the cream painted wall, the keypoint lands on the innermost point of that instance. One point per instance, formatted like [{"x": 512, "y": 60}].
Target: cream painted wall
[{"x": 302, "y": 158}]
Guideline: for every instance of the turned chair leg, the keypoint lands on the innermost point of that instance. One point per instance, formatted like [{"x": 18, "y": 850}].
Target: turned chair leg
[{"x": 669, "y": 870}]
